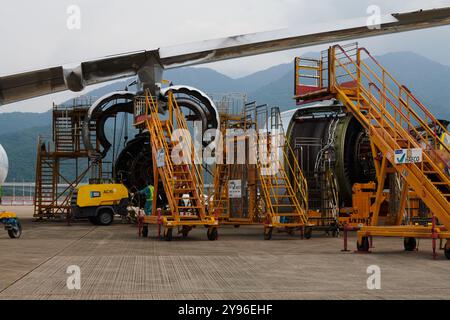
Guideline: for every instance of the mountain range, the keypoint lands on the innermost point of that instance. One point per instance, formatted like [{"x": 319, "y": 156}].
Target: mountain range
[{"x": 429, "y": 81}]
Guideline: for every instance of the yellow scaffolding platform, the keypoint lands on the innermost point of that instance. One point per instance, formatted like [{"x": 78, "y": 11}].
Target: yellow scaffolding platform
[{"x": 231, "y": 211}]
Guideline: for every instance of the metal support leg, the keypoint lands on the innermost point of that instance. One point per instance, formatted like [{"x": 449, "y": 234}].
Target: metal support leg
[
  {"x": 345, "y": 239},
  {"x": 381, "y": 180},
  {"x": 403, "y": 198},
  {"x": 434, "y": 236}
]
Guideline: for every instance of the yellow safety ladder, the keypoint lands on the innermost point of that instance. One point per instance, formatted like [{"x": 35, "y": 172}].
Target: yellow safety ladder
[
  {"x": 283, "y": 185},
  {"x": 182, "y": 182}
]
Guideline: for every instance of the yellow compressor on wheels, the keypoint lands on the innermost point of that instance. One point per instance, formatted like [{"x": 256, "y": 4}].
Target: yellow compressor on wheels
[
  {"x": 99, "y": 202},
  {"x": 11, "y": 223}
]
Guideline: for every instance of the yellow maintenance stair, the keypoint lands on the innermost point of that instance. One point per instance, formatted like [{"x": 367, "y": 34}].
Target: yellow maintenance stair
[
  {"x": 282, "y": 183},
  {"x": 405, "y": 137},
  {"x": 175, "y": 166}
]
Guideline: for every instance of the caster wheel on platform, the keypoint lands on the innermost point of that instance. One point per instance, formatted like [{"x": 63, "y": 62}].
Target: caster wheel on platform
[
  {"x": 308, "y": 233},
  {"x": 168, "y": 234},
  {"x": 410, "y": 244},
  {"x": 268, "y": 233},
  {"x": 364, "y": 246},
  {"x": 212, "y": 234},
  {"x": 185, "y": 231},
  {"x": 447, "y": 250},
  {"x": 144, "y": 231}
]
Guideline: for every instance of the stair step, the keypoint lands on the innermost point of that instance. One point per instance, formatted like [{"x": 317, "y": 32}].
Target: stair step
[
  {"x": 184, "y": 190},
  {"x": 273, "y": 178},
  {"x": 286, "y": 214},
  {"x": 278, "y": 187},
  {"x": 189, "y": 207},
  {"x": 283, "y": 205}
]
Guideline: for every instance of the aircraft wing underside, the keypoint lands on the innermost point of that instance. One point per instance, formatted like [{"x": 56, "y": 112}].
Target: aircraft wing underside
[{"x": 76, "y": 77}]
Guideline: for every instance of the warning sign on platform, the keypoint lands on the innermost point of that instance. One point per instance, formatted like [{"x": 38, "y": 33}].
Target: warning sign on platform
[
  {"x": 404, "y": 156},
  {"x": 160, "y": 158},
  {"x": 234, "y": 189}
]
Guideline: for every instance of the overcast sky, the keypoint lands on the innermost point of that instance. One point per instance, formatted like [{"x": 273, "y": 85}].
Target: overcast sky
[{"x": 34, "y": 34}]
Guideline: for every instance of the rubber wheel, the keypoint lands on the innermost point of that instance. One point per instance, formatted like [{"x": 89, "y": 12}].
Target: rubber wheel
[
  {"x": 15, "y": 233},
  {"x": 93, "y": 220},
  {"x": 168, "y": 234},
  {"x": 447, "y": 253},
  {"x": 410, "y": 244},
  {"x": 447, "y": 250},
  {"x": 308, "y": 233},
  {"x": 334, "y": 231},
  {"x": 364, "y": 246},
  {"x": 145, "y": 231},
  {"x": 212, "y": 234},
  {"x": 268, "y": 233},
  {"x": 105, "y": 217},
  {"x": 185, "y": 231}
]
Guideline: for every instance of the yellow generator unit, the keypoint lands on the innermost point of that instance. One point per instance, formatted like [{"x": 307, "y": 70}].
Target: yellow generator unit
[{"x": 99, "y": 202}]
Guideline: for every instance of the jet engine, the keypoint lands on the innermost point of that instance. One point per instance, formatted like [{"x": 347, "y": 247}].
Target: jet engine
[
  {"x": 324, "y": 135},
  {"x": 133, "y": 166}
]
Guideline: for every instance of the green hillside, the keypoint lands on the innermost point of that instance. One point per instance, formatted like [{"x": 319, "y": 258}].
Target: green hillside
[
  {"x": 19, "y": 121},
  {"x": 21, "y": 149}
]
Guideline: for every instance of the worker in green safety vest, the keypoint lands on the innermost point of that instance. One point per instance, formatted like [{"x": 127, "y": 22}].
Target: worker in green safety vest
[{"x": 147, "y": 192}]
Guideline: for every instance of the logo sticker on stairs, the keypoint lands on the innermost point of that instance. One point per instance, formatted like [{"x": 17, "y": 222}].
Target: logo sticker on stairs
[{"x": 404, "y": 156}]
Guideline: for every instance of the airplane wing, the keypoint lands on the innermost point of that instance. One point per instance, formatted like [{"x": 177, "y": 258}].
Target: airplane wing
[{"x": 76, "y": 77}]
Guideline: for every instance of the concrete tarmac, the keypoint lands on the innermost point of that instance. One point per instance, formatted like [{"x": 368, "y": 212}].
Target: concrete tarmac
[{"x": 116, "y": 264}]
